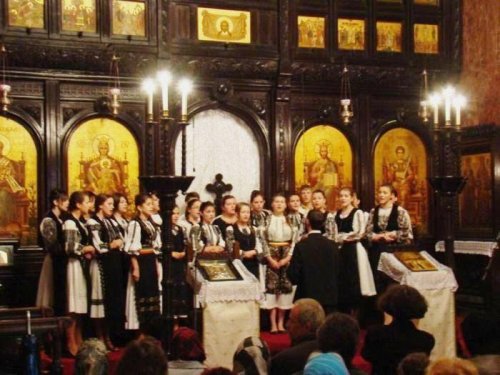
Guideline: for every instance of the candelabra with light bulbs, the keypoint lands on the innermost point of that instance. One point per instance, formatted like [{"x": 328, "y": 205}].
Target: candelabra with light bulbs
[
  {"x": 447, "y": 182},
  {"x": 166, "y": 185},
  {"x": 346, "y": 111}
]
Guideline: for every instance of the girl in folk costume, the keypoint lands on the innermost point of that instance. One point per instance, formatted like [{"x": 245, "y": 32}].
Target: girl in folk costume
[
  {"x": 354, "y": 265},
  {"x": 259, "y": 214},
  {"x": 108, "y": 298},
  {"x": 207, "y": 237},
  {"x": 120, "y": 213},
  {"x": 78, "y": 247},
  {"x": 319, "y": 203},
  {"x": 279, "y": 240},
  {"x": 295, "y": 217},
  {"x": 179, "y": 267},
  {"x": 190, "y": 218},
  {"x": 388, "y": 224},
  {"x": 143, "y": 244},
  {"x": 242, "y": 236},
  {"x": 228, "y": 216},
  {"x": 155, "y": 217},
  {"x": 56, "y": 261}
]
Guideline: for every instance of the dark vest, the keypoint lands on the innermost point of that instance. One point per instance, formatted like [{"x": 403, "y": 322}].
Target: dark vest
[
  {"x": 392, "y": 223},
  {"x": 147, "y": 235},
  {"x": 80, "y": 226},
  {"x": 345, "y": 225}
]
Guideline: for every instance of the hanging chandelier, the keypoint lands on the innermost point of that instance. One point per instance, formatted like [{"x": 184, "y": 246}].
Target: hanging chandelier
[{"x": 346, "y": 111}]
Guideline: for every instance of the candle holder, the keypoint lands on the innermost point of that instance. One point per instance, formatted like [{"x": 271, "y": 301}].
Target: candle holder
[
  {"x": 447, "y": 183},
  {"x": 346, "y": 111}
]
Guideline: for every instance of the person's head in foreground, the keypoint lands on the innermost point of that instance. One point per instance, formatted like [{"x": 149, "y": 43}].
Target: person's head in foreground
[
  {"x": 252, "y": 357},
  {"x": 186, "y": 345},
  {"x": 413, "y": 364},
  {"x": 403, "y": 302},
  {"x": 325, "y": 364},
  {"x": 91, "y": 358},
  {"x": 143, "y": 357},
  {"x": 306, "y": 316},
  {"x": 339, "y": 333},
  {"x": 452, "y": 366}
]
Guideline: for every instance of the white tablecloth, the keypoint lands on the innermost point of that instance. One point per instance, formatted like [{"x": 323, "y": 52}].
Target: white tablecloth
[
  {"x": 438, "y": 288},
  {"x": 230, "y": 313},
  {"x": 469, "y": 247}
]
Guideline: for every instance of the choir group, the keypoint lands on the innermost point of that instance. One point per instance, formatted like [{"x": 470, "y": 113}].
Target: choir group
[{"x": 104, "y": 265}]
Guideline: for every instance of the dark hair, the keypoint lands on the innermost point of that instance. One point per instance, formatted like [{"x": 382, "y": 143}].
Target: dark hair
[
  {"x": 320, "y": 191},
  {"x": 153, "y": 193},
  {"x": 339, "y": 333},
  {"x": 90, "y": 194},
  {"x": 316, "y": 219},
  {"x": 191, "y": 195},
  {"x": 413, "y": 364},
  {"x": 217, "y": 371},
  {"x": 255, "y": 194},
  {"x": 224, "y": 199},
  {"x": 304, "y": 187},
  {"x": 205, "y": 205},
  {"x": 391, "y": 189},
  {"x": 403, "y": 302},
  {"x": 100, "y": 199},
  {"x": 351, "y": 191},
  {"x": 190, "y": 204},
  {"x": 57, "y": 195},
  {"x": 140, "y": 199},
  {"x": 116, "y": 199},
  {"x": 277, "y": 195},
  {"x": 292, "y": 195},
  {"x": 91, "y": 358},
  {"x": 240, "y": 205},
  {"x": 143, "y": 357},
  {"x": 76, "y": 197}
]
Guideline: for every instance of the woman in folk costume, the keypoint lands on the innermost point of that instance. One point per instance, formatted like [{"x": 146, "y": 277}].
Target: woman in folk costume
[
  {"x": 190, "y": 218},
  {"x": 388, "y": 224},
  {"x": 295, "y": 217},
  {"x": 228, "y": 216},
  {"x": 80, "y": 252},
  {"x": 207, "y": 237},
  {"x": 143, "y": 244},
  {"x": 278, "y": 241},
  {"x": 259, "y": 214},
  {"x": 181, "y": 291},
  {"x": 120, "y": 212},
  {"x": 108, "y": 298},
  {"x": 319, "y": 203},
  {"x": 243, "y": 236},
  {"x": 356, "y": 278},
  {"x": 56, "y": 260}
]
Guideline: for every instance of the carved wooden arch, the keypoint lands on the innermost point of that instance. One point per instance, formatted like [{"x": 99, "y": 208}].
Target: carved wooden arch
[
  {"x": 256, "y": 125},
  {"x": 82, "y": 117},
  {"x": 345, "y": 130}
]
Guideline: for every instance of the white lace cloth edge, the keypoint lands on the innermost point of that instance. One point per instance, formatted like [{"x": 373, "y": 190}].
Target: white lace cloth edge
[
  {"x": 443, "y": 278},
  {"x": 469, "y": 247}
]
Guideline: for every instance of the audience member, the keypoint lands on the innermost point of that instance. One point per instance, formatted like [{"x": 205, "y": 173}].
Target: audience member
[
  {"x": 218, "y": 371},
  {"x": 487, "y": 364},
  {"x": 452, "y": 366},
  {"x": 186, "y": 345},
  {"x": 143, "y": 357},
  {"x": 339, "y": 333},
  {"x": 305, "y": 318},
  {"x": 314, "y": 267},
  {"x": 252, "y": 357},
  {"x": 413, "y": 364},
  {"x": 325, "y": 364},
  {"x": 91, "y": 358},
  {"x": 385, "y": 346}
]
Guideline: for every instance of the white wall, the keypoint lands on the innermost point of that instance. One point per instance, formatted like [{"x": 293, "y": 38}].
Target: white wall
[{"x": 220, "y": 143}]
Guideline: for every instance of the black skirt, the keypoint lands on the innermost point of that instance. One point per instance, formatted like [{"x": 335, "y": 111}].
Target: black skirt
[{"x": 147, "y": 292}]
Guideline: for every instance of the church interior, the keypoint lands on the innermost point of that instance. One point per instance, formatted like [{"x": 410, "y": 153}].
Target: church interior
[{"x": 244, "y": 101}]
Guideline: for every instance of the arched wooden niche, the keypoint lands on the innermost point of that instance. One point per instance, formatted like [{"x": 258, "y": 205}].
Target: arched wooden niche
[
  {"x": 103, "y": 157},
  {"x": 401, "y": 160},
  {"x": 323, "y": 160},
  {"x": 18, "y": 183},
  {"x": 220, "y": 142}
]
